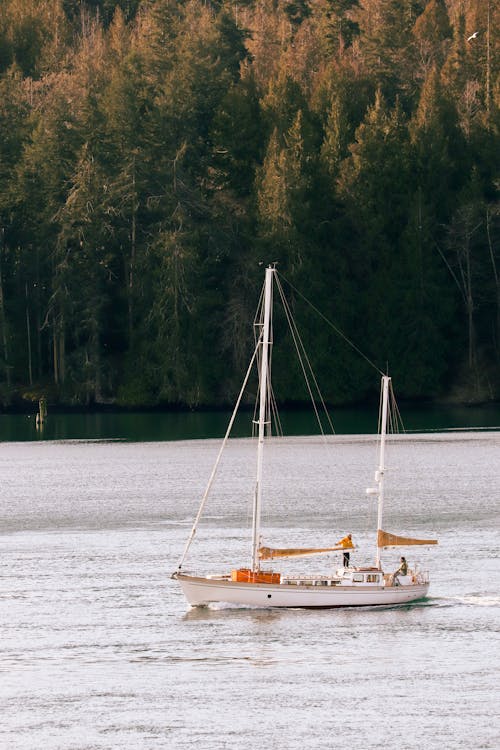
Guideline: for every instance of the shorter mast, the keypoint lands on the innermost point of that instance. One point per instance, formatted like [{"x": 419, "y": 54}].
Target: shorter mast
[
  {"x": 379, "y": 474},
  {"x": 263, "y": 377}
]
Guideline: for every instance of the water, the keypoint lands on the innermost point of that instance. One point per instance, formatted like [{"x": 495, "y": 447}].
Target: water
[
  {"x": 181, "y": 425},
  {"x": 99, "y": 651}
]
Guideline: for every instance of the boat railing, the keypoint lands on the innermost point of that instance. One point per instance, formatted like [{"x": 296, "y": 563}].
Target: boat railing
[{"x": 414, "y": 577}]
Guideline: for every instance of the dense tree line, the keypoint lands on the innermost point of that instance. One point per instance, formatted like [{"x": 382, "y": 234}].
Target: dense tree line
[{"x": 153, "y": 153}]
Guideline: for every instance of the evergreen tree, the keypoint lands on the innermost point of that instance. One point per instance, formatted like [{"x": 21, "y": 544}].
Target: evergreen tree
[
  {"x": 337, "y": 137},
  {"x": 342, "y": 29},
  {"x": 375, "y": 187},
  {"x": 153, "y": 153},
  {"x": 439, "y": 151},
  {"x": 432, "y": 34},
  {"x": 385, "y": 44},
  {"x": 34, "y": 33}
]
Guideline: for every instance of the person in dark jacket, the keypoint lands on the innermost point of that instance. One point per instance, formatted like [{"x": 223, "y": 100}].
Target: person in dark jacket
[{"x": 401, "y": 571}]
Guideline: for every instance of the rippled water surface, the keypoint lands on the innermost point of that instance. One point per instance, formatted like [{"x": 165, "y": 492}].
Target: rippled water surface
[{"x": 99, "y": 650}]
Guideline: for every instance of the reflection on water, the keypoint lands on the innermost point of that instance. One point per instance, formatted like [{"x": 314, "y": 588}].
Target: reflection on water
[
  {"x": 214, "y": 612},
  {"x": 160, "y": 426}
]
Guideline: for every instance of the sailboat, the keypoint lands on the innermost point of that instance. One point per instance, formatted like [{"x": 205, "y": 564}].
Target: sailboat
[{"x": 258, "y": 585}]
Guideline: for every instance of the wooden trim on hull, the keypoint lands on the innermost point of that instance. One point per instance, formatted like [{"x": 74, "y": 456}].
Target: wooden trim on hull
[{"x": 200, "y": 591}]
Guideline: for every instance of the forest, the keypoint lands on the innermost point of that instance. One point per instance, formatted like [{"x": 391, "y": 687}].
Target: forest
[{"x": 156, "y": 154}]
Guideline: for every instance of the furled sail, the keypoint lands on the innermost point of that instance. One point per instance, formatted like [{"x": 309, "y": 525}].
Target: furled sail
[
  {"x": 385, "y": 539},
  {"x": 267, "y": 553}
]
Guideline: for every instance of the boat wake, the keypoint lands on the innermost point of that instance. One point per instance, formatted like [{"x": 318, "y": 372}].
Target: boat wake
[{"x": 478, "y": 600}]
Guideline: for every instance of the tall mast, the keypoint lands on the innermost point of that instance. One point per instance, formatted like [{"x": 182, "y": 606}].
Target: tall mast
[
  {"x": 379, "y": 474},
  {"x": 264, "y": 369}
]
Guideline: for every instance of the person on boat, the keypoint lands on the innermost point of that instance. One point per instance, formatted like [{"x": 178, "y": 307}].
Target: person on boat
[
  {"x": 401, "y": 571},
  {"x": 347, "y": 544}
]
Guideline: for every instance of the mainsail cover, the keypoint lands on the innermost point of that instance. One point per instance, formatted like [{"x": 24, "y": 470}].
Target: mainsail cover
[
  {"x": 385, "y": 539},
  {"x": 267, "y": 553}
]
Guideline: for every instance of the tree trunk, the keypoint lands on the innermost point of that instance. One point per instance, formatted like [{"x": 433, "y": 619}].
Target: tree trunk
[
  {"x": 55, "y": 359},
  {"x": 62, "y": 353},
  {"x": 28, "y": 335},
  {"x": 131, "y": 269},
  {"x": 58, "y": 351},
  {"x": 3, "y": 319},
  {"x": 497, "y": 281}
]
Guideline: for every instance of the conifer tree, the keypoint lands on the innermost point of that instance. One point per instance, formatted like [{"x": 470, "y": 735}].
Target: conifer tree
[
  {"x": 385, "y": 44},
  {"x": 432, "y": 34},
  {"x": 336, "y": 138}
]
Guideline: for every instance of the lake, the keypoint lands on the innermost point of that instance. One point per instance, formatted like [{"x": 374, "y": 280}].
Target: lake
[
  {"x": 99, "y": 650},
  {"x": 182, "y": 425}
]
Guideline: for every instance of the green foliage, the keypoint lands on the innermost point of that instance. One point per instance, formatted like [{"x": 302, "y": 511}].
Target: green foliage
[
  {"x": 153, "y": 154},
  {"x": 342, "y": 29},
  {"x": 236, "y": 138},
  {"x": 33, "y": 35}
]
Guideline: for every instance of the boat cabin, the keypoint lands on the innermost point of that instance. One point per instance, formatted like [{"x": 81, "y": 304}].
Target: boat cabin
[
  {"x": 343, "y": 577},
  {"x": 360, "y": 577}
]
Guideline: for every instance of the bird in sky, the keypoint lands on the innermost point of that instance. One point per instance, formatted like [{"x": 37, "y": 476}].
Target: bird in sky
[{"x": 473, "y": 36}]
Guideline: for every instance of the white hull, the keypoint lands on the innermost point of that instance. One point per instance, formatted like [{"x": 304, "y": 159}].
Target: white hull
[{"x": 199, "y": 591}]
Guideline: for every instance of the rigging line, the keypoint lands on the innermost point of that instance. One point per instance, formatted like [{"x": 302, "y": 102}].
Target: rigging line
[
  {"x": 396, "y": 418},
  {"x": 259, "y": 312},
  {"x": 296, "y": 335},
  {"x": 258, "y": 326},
  {"x": 256, "y": 402},
  {"x": 274, "y": 416},
  {"x": 275, "y": 412},
  {"x": 219, "y": 456},
  {"x": 395, "y": 424},
  {"x": 287, "y": 313},
  {"x": 337, "y": 330},
  {"x": 270, "y": 409}
]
